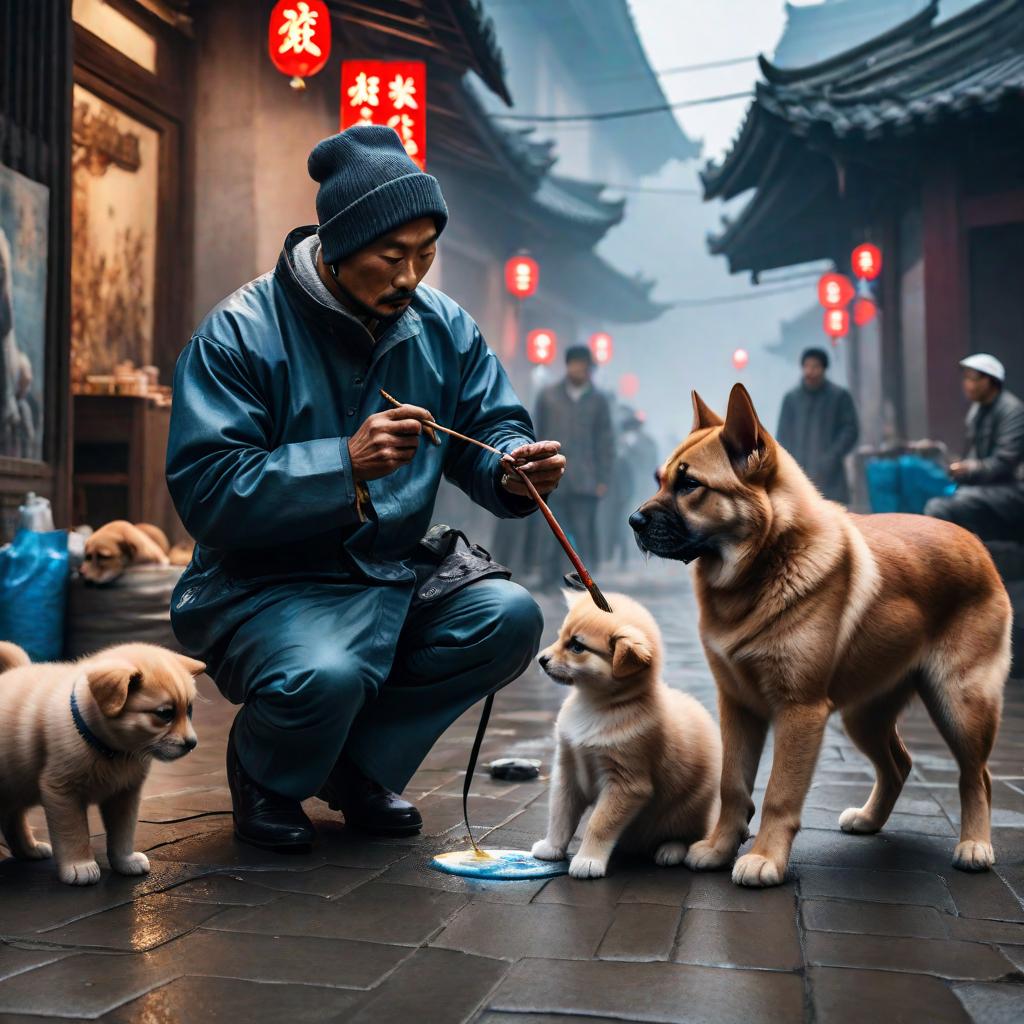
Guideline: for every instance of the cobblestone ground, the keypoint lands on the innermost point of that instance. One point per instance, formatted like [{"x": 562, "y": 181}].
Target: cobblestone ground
[{"x": 873, "y": 927}]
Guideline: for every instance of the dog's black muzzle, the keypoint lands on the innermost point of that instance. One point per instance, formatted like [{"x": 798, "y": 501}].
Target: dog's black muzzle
[{"x": 665, "y": 535}]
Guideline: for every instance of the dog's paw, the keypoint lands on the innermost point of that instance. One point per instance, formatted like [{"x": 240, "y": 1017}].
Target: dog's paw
[
  {"x": 972, "y": 855},
  {"x": 756, "y": 871},
  {"x": 669, "y": 854},
  {"x": 706, "y": 856},
  {"x": 587, "y": 867},
  {"x": 543, "y": 850},
  {"x": 37, "y": 851},
  {"x": 85, "y": 872},
  {"x": 853, "y": 819},
  {"x": 133, "y": 864}
]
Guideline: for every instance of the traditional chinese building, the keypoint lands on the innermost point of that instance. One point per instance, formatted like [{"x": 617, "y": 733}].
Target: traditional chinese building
[{"x": 911, "y": 140}]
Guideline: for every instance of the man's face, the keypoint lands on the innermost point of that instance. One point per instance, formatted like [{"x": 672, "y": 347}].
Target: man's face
[
  {"x": 979, "y": 387},
  {"x": 814, "y": 373},
  {"x": 387, "y": 272},
  {"x": 578, "y": 371}
]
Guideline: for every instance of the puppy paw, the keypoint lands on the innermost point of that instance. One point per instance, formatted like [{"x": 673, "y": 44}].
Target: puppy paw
[
  {"x": 543, "y": 850},
  {"x": 756, "y": 871},
  {"x": 853, "y": 819},
  {"x": 706, "y": 856},
  {"x": 972, "y": 855},
  {"x": 587, "y": 867},
  {"x": 86, "y": 872},
  {"x": 133, "y": 864},
  {"x": 37, "y": 851},
  {"x": 669, "y": 854}
]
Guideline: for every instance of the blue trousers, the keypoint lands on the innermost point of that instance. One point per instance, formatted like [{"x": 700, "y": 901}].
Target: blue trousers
[{"x": 322, "y": 668}]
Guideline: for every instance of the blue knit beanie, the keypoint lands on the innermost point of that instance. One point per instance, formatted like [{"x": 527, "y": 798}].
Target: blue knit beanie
[{"x": 368, "y": 187}]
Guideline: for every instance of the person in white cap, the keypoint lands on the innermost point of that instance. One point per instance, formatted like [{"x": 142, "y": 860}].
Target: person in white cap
[{"x": 990, "y": 497}]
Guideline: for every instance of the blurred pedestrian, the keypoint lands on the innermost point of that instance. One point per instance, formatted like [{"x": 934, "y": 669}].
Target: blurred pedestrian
[
  {"x": 818, "y": 426},
  {"x": 583, "y": 417},
  {"x": 989, "y": 500}
]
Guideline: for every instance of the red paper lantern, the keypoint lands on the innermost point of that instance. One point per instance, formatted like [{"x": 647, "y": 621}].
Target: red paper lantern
[
  {"x": 299, "y": 38},
  {"x": 388, "y": 92},
  {"x": 837, "y": 323},
  {"x": 740, "y": 358},
  {"x": 864, "y": 311},
  {"x": 541, "y": 346},
  {"x": 521, "y": 276},
  {"x": 629, "y": 385},
  {"x": 835, "y": 290},
  {"x": 601, "y": 348},
  {"x": 866, "y": 261}
]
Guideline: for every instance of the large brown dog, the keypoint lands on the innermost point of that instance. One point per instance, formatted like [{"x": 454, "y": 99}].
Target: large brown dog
[{"x": 805, "y": 609}]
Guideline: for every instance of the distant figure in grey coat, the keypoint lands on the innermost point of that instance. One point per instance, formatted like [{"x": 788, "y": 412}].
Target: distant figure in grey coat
[
  {"x": 989, "y": 500},
  {"x": 818, "y": 426},
  {"x": 584, "y": 416}
]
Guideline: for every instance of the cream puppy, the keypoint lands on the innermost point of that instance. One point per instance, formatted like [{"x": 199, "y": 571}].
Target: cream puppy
[
  {"x": 81, "y": 733},
  {"x": 647, "y": 757}
]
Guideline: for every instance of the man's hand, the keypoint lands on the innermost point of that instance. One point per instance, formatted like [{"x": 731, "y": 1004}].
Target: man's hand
[
  {"x": 541, "y": 462},
  {"x": 960, "y": 470},
  {"x": 386, "y": 441}
]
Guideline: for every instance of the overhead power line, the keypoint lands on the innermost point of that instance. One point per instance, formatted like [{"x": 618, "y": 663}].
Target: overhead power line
[
  {"x": 611, "y": 115},
  {"x": 679, "y": 70},
  {"x": 721, "y": 300}
]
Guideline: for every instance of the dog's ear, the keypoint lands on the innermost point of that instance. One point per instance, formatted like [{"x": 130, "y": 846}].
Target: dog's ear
[
  {"x": 747, "y": 443},
  {"x": 140, "y": 548},
  {"x": 703, "y": 415},
  {"x": 571, "y": 596},
  {"x": 110, "y": 683},
  {"x": 631, "y": 652},
  {"x": 193, "y": 667}
]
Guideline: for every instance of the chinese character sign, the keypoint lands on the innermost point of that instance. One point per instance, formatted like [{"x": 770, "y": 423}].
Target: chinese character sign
[
  {"x": 835, "y": 291},
  {"x": 299, "y": 37},
  {"x": 866, "y": 261},
  {"x": 392, "y": 93}
]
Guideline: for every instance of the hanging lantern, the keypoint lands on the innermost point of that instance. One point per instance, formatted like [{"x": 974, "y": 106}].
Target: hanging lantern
[
  {"x": 601, "y": 348},
  {"x": 541, "y": 346},
  {"x": 299, "y": 38},
  {"x": 866, "y": 261},
  {"x": 740, "y": 358},
  {"x": 629, "y": 385},
  {"x": 837, "y": 323},
  {"x": 521, "y": 276},
  {"x": 391, "y": 93},
  {"x": 835, "y": 290},
  {"x": 864, "y": 311}
]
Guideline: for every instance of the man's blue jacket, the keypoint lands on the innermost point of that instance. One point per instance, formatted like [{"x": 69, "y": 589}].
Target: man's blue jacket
[{"x": 267, "y": 393}]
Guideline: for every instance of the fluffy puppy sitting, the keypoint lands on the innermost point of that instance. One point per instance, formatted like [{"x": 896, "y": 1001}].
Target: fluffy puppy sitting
[
  {"x": 647, "y": 757},
  {"x": 81, "y": 733},
  {"x": 117, "y": 545}
]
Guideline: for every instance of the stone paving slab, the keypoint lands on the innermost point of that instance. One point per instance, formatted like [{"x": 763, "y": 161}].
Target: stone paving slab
[{"x": 364, "y": 931}]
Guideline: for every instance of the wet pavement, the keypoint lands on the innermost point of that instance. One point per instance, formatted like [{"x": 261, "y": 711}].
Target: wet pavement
[{"x": 362, "y": 930}]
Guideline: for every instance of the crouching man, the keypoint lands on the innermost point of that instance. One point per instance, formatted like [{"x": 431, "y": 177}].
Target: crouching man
[{"x": 308, "y": 495}]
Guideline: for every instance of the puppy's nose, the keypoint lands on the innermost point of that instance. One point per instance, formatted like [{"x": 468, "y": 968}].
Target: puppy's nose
[
  {"x": 639, "y": 520},
  {"x": 190, "y": 744},
  {"x": 544, "y": 659}
]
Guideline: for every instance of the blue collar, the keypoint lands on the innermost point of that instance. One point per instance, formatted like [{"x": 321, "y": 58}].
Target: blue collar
[{"x": 87, "y": 734}]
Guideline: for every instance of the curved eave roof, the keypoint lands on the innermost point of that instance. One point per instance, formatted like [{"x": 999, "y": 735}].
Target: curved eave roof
[{"x": 595, "y": 287}]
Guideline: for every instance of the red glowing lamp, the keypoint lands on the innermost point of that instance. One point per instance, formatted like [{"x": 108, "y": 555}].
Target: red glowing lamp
[
  {"x": 299, "y": 38},
  {"x": 835, "y": 290},
  {"x": 391, "y": 93},
  {"x": 866, "y": 261},
  {"x": 864, "y": 311},
  {"x": 541, "y": 346},
  {"x": 629, "y": 385},
  {"x": 601, "y": 348},
  {"x": 740, "y": 358},
  {"x": 837, "y": 323},
  {"x": 521, "y": 276}
]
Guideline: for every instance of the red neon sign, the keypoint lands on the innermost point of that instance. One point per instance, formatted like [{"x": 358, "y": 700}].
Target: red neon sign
[
  {"x": 866, "y": 261},
  {"x": 601, "y": 348},
  {"x": 388, "y": 92},
  {"x": 835, "y": 290},
  {"x": 299, "y": 38},
  {"x": 541, "y": 346},
  {"x": 521, "y": 276}
]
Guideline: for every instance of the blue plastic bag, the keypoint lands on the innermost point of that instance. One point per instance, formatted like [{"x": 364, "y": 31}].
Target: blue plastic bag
[
  {"x": 884, "y": 491},
  {"x": 921, "y": 480},
  {"x": 33, "y": 592}
]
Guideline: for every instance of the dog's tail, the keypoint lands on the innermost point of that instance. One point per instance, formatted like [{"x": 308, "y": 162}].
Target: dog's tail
[{"x": 12, "y": 656}]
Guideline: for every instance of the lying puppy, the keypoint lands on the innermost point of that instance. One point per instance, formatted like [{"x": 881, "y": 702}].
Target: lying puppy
[
  {"x": 85, "y": 733},
  {"x": 117, "y": 545},
  {"x": 647, "y": 756},
  {"x": 805, "y": 609}
]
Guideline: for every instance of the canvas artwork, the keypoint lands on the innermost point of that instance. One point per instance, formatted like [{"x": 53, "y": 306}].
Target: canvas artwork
[{"x": 24, "y": 210}]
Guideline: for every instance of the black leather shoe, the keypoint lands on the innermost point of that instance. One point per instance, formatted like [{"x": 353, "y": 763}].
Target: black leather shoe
[
  {"x": 264, "y": 818},
  {"x": 367, "y": 805}
]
